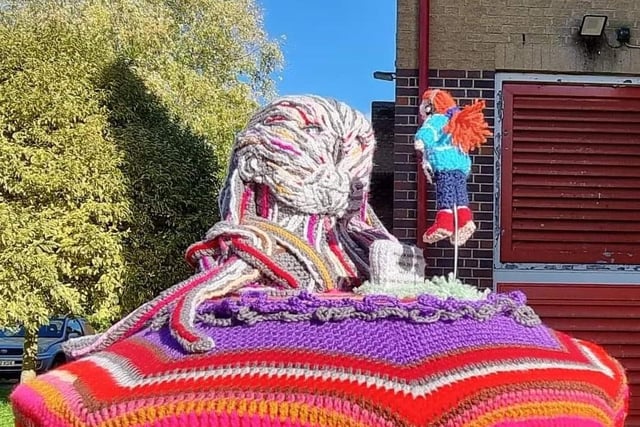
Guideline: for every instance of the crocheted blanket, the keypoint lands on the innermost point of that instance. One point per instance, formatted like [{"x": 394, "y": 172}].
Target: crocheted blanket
[
  {"x": 300, "y": 359},
  {"x": 305, "y": 311}
]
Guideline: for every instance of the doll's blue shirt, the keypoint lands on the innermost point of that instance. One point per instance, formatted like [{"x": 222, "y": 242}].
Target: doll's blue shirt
[{"x": 439, "y": 150}]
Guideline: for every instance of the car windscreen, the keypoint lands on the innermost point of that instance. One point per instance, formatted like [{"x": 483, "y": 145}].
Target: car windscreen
[{"x": 55, "y": 329}]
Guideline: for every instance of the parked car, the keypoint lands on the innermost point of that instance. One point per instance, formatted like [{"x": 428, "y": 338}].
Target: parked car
[{"x": 50, "y": 339}]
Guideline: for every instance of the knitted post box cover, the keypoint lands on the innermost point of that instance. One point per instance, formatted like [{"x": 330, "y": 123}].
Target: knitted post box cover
[{"x": 277, "y": 328}]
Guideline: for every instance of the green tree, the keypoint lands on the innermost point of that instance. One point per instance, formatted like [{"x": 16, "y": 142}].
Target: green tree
[{"x": 116, "y": 118}]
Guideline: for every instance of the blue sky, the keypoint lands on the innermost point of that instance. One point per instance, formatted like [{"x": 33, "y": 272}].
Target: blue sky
[{"x": 332, "y": 47}]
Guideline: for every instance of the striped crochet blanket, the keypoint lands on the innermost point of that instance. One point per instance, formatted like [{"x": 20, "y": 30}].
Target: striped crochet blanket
[
  {"x": 297, "y": 316},
  {"x": 337, "y": 360}
]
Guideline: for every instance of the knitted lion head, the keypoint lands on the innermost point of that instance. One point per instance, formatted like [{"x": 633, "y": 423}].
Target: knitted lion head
[{"x": 313, "y": 155}]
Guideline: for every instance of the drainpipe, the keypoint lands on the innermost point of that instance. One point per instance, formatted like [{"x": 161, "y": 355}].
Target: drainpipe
[{"x": 423, "y": 84}]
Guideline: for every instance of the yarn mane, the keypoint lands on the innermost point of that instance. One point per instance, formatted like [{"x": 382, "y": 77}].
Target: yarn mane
[
  {"x": 466, "y": 126},
  {"x": 312, "y": 154}
]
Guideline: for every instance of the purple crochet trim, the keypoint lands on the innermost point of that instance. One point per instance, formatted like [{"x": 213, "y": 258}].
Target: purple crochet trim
[{"x": 256, "y": 306}]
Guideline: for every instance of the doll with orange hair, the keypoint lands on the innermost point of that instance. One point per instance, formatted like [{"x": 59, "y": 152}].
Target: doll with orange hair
[{"x": 445, "y": 139}]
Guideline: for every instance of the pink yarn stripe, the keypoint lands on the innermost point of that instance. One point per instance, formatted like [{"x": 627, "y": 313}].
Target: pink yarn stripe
[
  {"x": 233, "y": 419},
  {"x": 326, "y": 402},
  {"x": 557, "y": 421},
  {"x": 244, "y": 202},
  {"x": 311, "y": 226},
  {"x": 37, "y": 410},
  {"x": 286, "y": 147},
  {"x": 543, "y": 396},
  {"x": 27, "y": 401},
  {"x": 205, "y": 263},
  {"x": 363, "y": 207},
  {"x": 264, "y": 201}
]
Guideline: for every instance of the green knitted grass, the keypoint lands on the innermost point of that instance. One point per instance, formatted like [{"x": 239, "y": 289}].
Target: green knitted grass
[{"x": 438, "y": 286}]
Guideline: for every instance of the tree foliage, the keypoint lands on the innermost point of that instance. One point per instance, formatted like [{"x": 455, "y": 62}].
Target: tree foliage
[{"x": 116, "y": 118}]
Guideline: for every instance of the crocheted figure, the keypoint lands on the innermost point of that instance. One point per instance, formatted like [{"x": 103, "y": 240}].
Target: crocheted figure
[
  {"x": 445, "y": 139},
  {"x": 269, "y": 333},
  {"x": 295, "y": 214}
]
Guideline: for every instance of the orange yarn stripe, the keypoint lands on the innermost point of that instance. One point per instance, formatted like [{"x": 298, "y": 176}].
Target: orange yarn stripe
[{"x": 533, "y": 410}]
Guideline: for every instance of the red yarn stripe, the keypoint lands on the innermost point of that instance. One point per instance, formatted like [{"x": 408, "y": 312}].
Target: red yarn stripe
[
  {"x": 144, "y": 319},
  {"x": 335, "y": 248},
  {"x": 196, "y": 247},
  {"x": 178, "y": 326},
  {"x": 291, "y": 281}
]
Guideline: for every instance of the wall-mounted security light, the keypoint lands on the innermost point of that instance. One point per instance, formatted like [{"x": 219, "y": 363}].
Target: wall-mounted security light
[
  {"x": 384, "y": 75},
  {"x": 593, "y": 25}
]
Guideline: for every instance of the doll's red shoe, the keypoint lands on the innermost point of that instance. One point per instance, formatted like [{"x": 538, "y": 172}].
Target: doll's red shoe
[
  {"x": 441, "y": 228},
  {"x": 466, "y": 226}
]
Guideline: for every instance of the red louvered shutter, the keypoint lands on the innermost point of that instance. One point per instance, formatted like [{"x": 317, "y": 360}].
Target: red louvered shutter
[{"x": 570, "y": 174}]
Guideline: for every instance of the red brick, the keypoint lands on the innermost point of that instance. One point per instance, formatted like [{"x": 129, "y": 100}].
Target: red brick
[
  {"x": 404, "y": 223},
  {"x": 406, "y": 111},
  {"x": 404, "y": 204},
  {"x": 402, "y": 82},
  {"x": 406, "y": 72},
  {"x": 405, "y": 91},
  {"x": 404, "y": 185},
  {"x": 486, "y": 244},
  {"x": 483, "y": 83},
  {"x": 457, "y": 93},
  {"x": 452, "y": 73}
]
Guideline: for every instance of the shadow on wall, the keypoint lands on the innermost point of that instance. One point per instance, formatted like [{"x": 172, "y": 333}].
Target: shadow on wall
[
  {"x": 381, "y": 198},
  {"x": 383, "y": 122},
  {"x": 171, "y": 182}
]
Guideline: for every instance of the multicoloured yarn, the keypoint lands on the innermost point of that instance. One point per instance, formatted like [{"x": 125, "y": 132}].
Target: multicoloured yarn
[
  {"x": 298, "y": 359},
  {"x": 295, "y": 216},
  {"x": 269, "y": 331}
]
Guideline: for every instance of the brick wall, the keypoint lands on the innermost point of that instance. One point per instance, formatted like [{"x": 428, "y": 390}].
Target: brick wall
[
  {"x": 475, "y": 258},
  {"x": 404, "y": 158}
]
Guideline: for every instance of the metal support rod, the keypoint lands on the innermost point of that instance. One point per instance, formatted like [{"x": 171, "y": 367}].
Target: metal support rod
[{"x": 455, "y": 241}]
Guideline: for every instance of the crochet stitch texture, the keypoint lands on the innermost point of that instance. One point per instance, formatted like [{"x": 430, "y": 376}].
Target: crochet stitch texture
[{"x": 269, "y": 331}]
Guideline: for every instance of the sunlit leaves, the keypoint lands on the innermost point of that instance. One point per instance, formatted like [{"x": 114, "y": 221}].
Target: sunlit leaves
[{"x": 116, "y": 118}]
